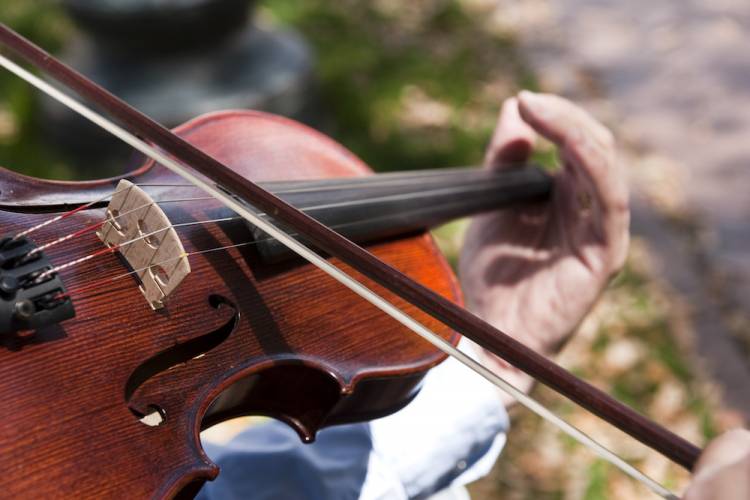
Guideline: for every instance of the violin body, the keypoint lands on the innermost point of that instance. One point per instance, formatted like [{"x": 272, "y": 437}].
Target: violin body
[{"x": 239, "y": 336}]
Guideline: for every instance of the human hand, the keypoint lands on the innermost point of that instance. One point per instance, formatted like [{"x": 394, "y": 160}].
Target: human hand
[
  {"x": 535, "y": 271},
  {"x": 723, "y": 470}
]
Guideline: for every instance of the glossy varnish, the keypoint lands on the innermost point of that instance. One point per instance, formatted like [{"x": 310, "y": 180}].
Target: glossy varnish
[{"x": 238, "y": 336}]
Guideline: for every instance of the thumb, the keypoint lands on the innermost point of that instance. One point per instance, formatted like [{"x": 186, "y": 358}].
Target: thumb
[{"x": 722, "y": 473}]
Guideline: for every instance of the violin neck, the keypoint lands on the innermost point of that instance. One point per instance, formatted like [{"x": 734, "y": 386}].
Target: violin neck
[{"x": 381, "y": 206}]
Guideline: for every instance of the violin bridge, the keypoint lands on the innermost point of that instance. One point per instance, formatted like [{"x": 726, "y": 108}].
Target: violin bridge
[{"x": 138, "y": 228}]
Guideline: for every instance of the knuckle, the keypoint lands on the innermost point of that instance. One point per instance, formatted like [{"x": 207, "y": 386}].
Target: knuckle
[
  {"x": 608, "y": 139},
  {"x": 620, "y": 204}
]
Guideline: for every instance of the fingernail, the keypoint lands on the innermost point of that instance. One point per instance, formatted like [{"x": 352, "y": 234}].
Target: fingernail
[
  {"x": 530, "y": 98},
  {"x": 578, "y": 138},
  {"x": 534, "y": 103}
]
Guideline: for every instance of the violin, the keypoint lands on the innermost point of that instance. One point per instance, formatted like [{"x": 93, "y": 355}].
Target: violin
[
  {"x": 137, "y": 311},
  {"x": 247, "y": 331}
]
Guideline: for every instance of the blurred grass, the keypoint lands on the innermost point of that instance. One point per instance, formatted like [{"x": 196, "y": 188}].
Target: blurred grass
[
  {"x": 404, "y": 87},
  {"x": 408, "y": 86},
  {"x": 418, "y": 84},
  {"x": 22, "y": 147}
]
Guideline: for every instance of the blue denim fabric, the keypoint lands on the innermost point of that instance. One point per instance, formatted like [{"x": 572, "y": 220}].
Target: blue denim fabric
[{"x": 450, "y": 434}]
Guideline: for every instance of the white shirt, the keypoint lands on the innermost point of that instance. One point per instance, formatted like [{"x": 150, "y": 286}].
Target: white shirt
[{"x": 451, "y": 433}]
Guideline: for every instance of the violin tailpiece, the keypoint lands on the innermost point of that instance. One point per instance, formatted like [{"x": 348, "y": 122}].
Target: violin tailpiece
[
  {"x": 138, "y": 228},
  {"x": 28, "y": 300}
]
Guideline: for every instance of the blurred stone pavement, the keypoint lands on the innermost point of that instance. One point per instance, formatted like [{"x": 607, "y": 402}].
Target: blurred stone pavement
[{"x": 672, "y": 79}]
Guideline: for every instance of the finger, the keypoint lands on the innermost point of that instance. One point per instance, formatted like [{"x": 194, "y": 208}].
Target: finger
[
  {"x": 722, "y": 470},
  {"x": 588, "y": 149},
  {"x": 513, "y": 139},
  {"x": 582, "y": 139},
  {"x": 730, "y": 447}
]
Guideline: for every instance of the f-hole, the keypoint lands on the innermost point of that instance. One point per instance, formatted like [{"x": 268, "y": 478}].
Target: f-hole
[
  {"x": 181, "y": 353},
  {"x": 300, "y": 395},
  {"x": 154, "y": 417}
]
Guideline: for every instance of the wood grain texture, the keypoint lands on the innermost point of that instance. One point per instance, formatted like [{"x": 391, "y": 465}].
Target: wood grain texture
[{"x": 288, "y": 341}]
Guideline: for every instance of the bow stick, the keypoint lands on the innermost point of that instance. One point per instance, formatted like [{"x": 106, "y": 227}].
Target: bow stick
[{"x": 540, "y": 368}]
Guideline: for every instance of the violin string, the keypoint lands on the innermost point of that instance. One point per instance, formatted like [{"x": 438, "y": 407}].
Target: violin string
[
  {"x": 351, "y": 203},
  {"x": 336, "y": 273},
  {"x": 144, "y": 236},
  {"x": 83, "y": 231},
  {"x": 308, "y": 208},
  {"x": 416, "y": 181},
  {"x": 61, "y": 267},
  {"x": 61, "y": 239},
  {"x": 96, "y": 225},
  {"x": 476, "y": 185},
  {"x": 385, "y": 198},
  {"x": 419, "y": 180},
  {"x": 335, "y": 183},
  {"x": 76, "y": 294},
  {"x": 224, "y": 219},
  {"x": 66, "y": 214},
  {"x": 226, "y": 247},
  {"x": 382, "y": 179},
  {"x": 215, "y": 249}
]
